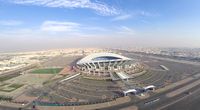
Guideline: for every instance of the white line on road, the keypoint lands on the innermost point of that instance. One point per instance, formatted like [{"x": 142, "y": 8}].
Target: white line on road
[{"x": 160, "y": 108}]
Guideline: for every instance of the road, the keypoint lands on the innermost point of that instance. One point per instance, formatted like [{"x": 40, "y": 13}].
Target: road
[
  {"x": 191, "y": 102},
  {"x": 166, "y": 103},
  {"x": 162, "y": 101}
]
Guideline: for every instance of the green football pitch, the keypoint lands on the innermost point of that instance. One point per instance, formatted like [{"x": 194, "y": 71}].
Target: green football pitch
[{"x": 47, "y": 71}]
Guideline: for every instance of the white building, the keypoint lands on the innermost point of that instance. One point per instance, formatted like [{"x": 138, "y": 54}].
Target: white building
[{"x": 102, "y": 64}]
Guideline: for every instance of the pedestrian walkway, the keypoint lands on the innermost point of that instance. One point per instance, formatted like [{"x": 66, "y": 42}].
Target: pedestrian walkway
[{"x": 122, "y": 75}]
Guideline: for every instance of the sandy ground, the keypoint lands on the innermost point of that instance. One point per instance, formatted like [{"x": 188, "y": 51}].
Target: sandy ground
[
  {"x": 25, "y": 97},
  {"x": 35, "y": 80},
  {"x": 65, "y": 71},
  {"x": 30, "y": 79},
  {"x": 60, "y": 61}
]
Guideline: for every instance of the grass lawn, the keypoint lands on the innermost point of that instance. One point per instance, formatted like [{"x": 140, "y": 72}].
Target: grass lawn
[
  {"x": 5, "y": 98},
  {"x": 7, "y": 77},
  {"x": 11, "y": 87},
  {"x": 47, "y": 71},
  {"x": 16, "y": 85}
]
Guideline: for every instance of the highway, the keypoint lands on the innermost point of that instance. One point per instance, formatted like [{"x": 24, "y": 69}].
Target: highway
[
  {"x": 190, "y": 102},
  {"x": 161, "y": 102}
]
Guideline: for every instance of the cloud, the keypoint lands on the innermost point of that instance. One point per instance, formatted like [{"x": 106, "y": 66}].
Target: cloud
[
  {"x": 10, "y": 22},
  {"x": 126, "y": 30},
  {"x": 134, "y": 14},
  {"x": 58, "y": 26},
  {"x": 122, "y": 17},
  {"x": 145, "y": 13},
  {"x": 100, "y": 7}
]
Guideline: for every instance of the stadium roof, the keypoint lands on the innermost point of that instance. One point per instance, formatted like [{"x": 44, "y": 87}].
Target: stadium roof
[{"x": 100, "y": 57}]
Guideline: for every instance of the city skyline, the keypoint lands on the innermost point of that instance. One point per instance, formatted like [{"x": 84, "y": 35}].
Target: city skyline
[{"x": 47, "y": 24}]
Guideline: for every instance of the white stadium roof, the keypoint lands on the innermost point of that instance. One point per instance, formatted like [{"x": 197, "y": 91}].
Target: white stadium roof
[{"x": 102, "y": 57}]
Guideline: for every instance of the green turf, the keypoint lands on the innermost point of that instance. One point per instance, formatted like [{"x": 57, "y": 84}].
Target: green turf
[
  {"x": 5, "y": 98},
  {"x": 47, "y": 71},
  {"x": 16, "y": 85},
  {"x": 3, "y": 84},
  {"x": 11, "y": 87},
  {"x": 7, "y": 77}
]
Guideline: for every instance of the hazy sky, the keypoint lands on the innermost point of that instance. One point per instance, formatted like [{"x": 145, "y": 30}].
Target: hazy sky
[{"x": 44, "y": 24}]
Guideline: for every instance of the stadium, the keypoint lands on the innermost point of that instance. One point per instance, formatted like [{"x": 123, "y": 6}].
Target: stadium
[{"x": 108, "y": 65}]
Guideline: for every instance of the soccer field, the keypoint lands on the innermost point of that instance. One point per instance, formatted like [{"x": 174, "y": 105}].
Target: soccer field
[{"x": 47, "y": 71}]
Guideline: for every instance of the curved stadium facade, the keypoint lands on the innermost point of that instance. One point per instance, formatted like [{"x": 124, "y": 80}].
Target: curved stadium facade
[{"x": 106, "y": 64}]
